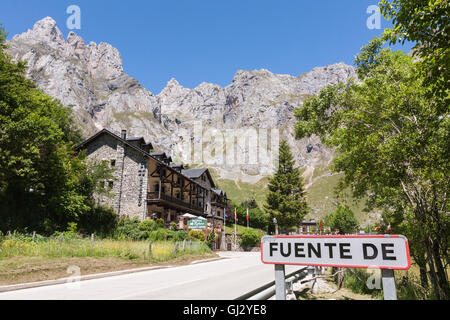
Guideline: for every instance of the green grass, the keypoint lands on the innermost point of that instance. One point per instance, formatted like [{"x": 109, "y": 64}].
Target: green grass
[
  {"x": 239, "y": 229},
  {"x": 51, "y": 248},
  {"x": 239, "y": 191},
  {"x": 320, "y": 195},
  {"x": 322, "y": 199}
]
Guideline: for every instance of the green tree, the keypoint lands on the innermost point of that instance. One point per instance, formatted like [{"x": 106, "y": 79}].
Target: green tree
[
  {"x": 342, "y": 220},
  {"x": 426, "y": 24},
  {"x": 43, "y": 184},
  {"x": 249, "y": 203},
  {"x": 286, "y": 199},
  {"x": 391, "y": 140},
  {"x": 250, "y": 238}
]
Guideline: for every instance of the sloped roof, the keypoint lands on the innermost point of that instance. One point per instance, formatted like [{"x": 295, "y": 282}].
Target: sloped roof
[
  {"x": 106, "y": 131},
  {"x": 197, "y": 173},
  {"x": 219, "y": 192}
]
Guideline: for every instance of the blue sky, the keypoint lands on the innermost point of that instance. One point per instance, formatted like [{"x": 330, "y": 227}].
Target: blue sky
[{"x": 198, "y": 41}]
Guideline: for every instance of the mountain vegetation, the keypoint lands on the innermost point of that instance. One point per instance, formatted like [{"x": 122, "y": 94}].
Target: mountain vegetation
[
  {"x": 43, "y": 185},
  {"x": 391, "y": 133}
]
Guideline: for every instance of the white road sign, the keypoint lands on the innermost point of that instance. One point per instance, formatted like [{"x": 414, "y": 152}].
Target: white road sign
[{"x": 356, "y": 251}]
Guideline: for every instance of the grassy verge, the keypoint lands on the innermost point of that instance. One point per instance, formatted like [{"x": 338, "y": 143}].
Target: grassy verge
[
  {"x": 239, "y": 229},
  {"x": 407, "y": 284},
  {"x": 26, "y": 261}
]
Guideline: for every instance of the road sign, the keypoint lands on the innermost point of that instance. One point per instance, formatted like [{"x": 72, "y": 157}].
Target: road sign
[
  {"x": 354, "y": 251},
  {"x": 197, "y": 224}
]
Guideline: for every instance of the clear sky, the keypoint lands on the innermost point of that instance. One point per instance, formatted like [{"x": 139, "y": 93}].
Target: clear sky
[{"x": 197, "y": 41}]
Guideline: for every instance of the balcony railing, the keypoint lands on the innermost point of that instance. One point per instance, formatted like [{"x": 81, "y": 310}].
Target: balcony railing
[{"x": 162, "y": 196}]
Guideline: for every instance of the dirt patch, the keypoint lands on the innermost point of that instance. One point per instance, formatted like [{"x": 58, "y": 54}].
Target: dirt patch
[
  {"x": 19, "y": 270},
  {"x": 324, "y": 289}
]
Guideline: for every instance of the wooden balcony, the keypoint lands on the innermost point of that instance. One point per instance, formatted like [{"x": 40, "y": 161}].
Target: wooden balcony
[
  {"x": 173, "y": 202},
  {"x": 219, "y": 204}
]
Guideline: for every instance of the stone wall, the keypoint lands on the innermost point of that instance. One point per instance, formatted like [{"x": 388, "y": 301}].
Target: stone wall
[{"x": 129, "y": 190}]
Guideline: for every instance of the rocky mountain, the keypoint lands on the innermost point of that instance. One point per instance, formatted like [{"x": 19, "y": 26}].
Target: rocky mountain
[{"x": 90, "y": 78}]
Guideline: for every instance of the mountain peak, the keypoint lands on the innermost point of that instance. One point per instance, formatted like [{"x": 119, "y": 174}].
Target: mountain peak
[{"x": 44, "y": 31}]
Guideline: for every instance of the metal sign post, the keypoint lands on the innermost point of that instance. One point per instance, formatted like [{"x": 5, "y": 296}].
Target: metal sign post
[
  {"x": 387, "y": 252},
  {"x": 389, "y": 291},
  {"x": 280, "y": 282}
]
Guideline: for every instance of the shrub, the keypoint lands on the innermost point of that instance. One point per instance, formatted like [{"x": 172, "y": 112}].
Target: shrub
[
  {"x": 159, "y": 235},
  {"x": 180, "y": 235},
  {"x": 148, "y": 225},
  {"x": 250, "y": 238},
  {"x": 160, "y": 223},
  {"x": 210, "y": 239},
  {"x": 196, "y": 235}
]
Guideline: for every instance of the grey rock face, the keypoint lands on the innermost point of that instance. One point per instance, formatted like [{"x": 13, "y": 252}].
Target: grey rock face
[{"x": 91, "y": 79}]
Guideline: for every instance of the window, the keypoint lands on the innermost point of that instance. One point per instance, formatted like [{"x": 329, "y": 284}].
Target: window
[
  {"x": 110, "y": 185},
  {"x": 113, "y": 163}
]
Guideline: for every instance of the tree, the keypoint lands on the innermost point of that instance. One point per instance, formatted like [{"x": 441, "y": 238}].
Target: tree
[
  {"x": 391, "y": 140},
  {"x": 43, "y": 185},
  {"x": 342, "y": 220},
  {"x": 250, "y": 238},
  {"x": 426, "y": 23},
  {"x": 249, "y": 203},
  {"x": 286, "y": 199}
]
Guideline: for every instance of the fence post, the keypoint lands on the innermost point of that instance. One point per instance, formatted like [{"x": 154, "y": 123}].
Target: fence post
[
  {"x": 34, "y": 236},
  {"x": 175, "y": 249},
  {"x": 149, "y": 248},
  {"x": 9, "y": 232},
  {"x": 280, "y": 282},
  {"x": 184, "y": 244},
  {"x": 61, "y": 239},
  {"x": 389, "y": 291},
  {"x": 92, "y": 240}
]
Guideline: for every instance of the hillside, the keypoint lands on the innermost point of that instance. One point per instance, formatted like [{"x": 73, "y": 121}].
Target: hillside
[{"x": 256, "y": 104}]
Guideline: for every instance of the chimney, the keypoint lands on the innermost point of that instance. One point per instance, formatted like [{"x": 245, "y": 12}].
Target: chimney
[{"x": 124, "y": 135}]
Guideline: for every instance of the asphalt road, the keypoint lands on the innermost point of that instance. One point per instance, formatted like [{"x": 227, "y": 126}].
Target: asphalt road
[{"x": 225, "y": 279}]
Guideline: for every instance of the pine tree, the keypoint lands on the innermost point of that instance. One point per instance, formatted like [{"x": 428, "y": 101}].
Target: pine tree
[{"x": 286, "y": 199}]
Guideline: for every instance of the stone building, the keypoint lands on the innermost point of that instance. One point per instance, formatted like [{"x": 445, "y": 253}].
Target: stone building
[{"x": 148, "y": 186}]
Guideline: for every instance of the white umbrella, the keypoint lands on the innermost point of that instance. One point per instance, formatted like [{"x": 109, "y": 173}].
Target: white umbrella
[{"x": 188, "y": 215}]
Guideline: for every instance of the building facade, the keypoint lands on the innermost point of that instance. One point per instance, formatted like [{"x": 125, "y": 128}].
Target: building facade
[{"x": 147, "y": 186}]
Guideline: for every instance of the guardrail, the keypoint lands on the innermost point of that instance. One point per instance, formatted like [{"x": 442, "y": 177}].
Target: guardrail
[{"x": 267, "y": 291}]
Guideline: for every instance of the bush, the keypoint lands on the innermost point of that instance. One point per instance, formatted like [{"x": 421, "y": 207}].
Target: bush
[
  {"x": 180, "y": 235},
  {"x": 196, "y": 235},
  {"x": 159, "y": 235},
  {"x": 148, "y": 225},
  {"x": 210, "y": 239},
  {"x": 250, "y": 238},
  {"x": 102, "y": 221},
  {"x": 160, "y": 223}
]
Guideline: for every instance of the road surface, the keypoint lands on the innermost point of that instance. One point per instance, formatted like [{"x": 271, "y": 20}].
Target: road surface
[{"x": 225, "y": 279}]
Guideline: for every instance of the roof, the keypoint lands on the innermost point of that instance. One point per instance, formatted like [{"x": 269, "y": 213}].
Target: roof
[
  {"x": 219, "y": 192},
  {"x": 161, "y": 155},
  {"x": 197, "y": 173},
  {"x": 150, "y": 155},
  {"x": 194, "y": 173},
  {"x": 106, "y": 131}
]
